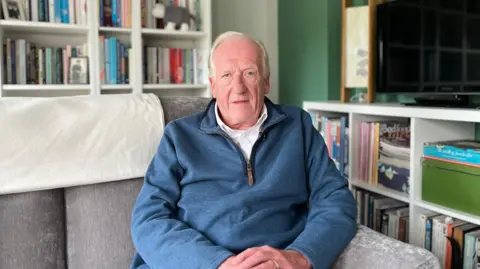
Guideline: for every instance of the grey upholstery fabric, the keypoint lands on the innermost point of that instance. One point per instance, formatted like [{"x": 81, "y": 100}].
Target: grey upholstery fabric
[
  {"x": 178, "y": 107},
  {"x": 32, "y": 230},
  {"x": 98, "y": 224},
  {"x": 373, "y": 250}
]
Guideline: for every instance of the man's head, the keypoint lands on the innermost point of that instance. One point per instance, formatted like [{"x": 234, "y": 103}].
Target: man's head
[{"x": 239, "y": 77}]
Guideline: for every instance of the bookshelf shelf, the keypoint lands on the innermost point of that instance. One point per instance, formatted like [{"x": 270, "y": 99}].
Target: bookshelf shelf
[
  {"x": 88, "y": 39},
  {"x": 426, "y": 124},
  {"x": 117, "y": 30},
  {"x": 381, "y": 190},
  {"x": 172, "y": 34},
  {"x": 449, "y": 212},
  {"x": 397, "y": 110},
  {"x": 174, "y": 86},
  {"x": 44, "y": 87},
  {"x": 35, "y": 28},
  {"x": 116, "y": 87}
]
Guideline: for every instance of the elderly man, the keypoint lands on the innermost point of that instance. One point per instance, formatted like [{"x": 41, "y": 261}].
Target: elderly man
[{"x": 245, "y": 184}]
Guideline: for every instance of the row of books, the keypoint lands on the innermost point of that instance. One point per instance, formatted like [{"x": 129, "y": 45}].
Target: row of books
[
  {"x": 334, "y": 131},
  {"x": 384, "y": 154},
  {"x": 454, "y": 242},
  {"x": 149, "y": 21},
  {"x": 115, "y": 64},
  {"x": 28, "y": 63},
  {"x": 383, "y": 214},
  {"x": 165, "y": 65},
  {"x": 55, "y": 11},
  {"x": 116, "y": 13}
]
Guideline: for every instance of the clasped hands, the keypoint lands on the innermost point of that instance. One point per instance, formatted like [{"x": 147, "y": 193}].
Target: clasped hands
[{"x": 266, "y": 257}]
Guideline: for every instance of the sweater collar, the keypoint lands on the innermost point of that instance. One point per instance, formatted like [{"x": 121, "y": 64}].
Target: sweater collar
[{"x": 209, "y": 121}]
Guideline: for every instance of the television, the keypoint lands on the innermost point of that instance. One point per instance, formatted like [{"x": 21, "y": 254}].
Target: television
[{"x": 429, "y": 49}]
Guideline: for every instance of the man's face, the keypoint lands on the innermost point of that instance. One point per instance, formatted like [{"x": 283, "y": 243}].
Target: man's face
[{"x": 238, "y": 84}]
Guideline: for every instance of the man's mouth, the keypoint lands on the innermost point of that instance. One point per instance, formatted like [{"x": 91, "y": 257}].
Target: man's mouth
[{"x": 240, "y": 102}]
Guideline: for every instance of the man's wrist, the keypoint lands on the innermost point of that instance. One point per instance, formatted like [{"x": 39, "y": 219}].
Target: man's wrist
[{"x": 301, "y": 259}]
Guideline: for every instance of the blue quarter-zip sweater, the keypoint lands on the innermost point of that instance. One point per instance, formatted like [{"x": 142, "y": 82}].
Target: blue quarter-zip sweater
[{"x": 201, "y": 201}]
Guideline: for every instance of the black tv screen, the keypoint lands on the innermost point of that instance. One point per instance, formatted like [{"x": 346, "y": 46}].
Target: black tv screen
[{"x": 428, "y": 46}]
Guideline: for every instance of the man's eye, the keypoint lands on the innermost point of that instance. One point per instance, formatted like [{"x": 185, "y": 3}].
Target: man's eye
[
  {"x": 250, "y": 73},
  {"x": 225, "y": 75}
]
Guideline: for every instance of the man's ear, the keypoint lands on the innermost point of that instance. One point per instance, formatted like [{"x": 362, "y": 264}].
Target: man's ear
[
  {"x": 267, "y": 84},
  {"x": 212, "y": 85}
]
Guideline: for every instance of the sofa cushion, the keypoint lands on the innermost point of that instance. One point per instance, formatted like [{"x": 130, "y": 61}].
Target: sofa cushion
[
  {"x": 98, "y": 221},
  {"x": 178, "y": 107},
  {"x": 32, "y": 233},
  {"x": 49, "y": 143},
  {"x": 373, "y": 250}
]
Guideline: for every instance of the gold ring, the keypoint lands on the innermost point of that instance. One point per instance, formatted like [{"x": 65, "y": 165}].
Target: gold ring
[{"x": 277, "y": 266}]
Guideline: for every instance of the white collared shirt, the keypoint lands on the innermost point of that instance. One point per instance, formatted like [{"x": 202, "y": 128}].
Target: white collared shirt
[{"x": 244, "y": 138}]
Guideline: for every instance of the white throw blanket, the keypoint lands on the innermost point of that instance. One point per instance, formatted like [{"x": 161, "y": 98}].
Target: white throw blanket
[{"x": 48, "y": 143}]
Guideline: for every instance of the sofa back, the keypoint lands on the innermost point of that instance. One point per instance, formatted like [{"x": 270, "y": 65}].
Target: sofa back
[{"x": 77, "y": 227}]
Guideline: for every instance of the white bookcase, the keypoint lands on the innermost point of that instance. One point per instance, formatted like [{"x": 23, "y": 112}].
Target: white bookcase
[
  {"x": 61, "y": 34},
  {"x": 427, "y": 125}
]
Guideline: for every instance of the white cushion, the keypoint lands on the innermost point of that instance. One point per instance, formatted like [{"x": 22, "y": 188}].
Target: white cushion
[{"x": 48, "y": 143}]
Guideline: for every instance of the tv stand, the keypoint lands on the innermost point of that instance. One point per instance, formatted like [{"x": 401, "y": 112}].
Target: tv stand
[{"x": 451, "y": 101}]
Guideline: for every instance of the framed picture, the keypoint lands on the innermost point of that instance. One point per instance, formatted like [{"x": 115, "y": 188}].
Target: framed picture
[
  {"x": 13, "y": 10},
  {"x": 78, "y": 70}
]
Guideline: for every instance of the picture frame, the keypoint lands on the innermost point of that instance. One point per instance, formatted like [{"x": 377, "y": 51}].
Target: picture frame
[
  {"x": 13, "y": 10},
  {"x": 78, "y": 70}
]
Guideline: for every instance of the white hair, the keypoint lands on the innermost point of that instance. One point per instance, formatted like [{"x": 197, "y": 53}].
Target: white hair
[{"x": 264, "y": 54}]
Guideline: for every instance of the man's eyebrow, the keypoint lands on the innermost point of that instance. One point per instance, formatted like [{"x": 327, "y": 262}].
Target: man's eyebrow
[{"x": 251, "y": 67}]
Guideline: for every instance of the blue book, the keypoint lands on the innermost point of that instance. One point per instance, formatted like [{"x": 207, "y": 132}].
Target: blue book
[
  {"x": 65, "y": 8},
  {"x": 113, "y": 60},
  {"x": 119, "y": 14},
  {"x": 106, "y": 46},
  {"x": 101, "y": 13},
  {"x": 114, "y": 13},
  {"x": 58, "y": 9},
  {"x": 465, "y": 152},
  {"x": 118, "y": 63}
]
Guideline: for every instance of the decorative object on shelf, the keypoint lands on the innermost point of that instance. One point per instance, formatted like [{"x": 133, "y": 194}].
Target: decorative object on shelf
[
  {"x": 358, "y": 40},
  {"x": 78, "y": 70},
  {"x": 173, "y": 16},
  {"x": 13, "y": 10}
]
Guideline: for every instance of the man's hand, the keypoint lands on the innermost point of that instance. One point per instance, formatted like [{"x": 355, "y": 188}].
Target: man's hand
[
  {"x": 266, "y": 257},
  {"x": 227, "y": 264}
]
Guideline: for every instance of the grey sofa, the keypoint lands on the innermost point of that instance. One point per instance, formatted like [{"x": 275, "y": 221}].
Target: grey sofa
[{"x": 89, "y": 226}]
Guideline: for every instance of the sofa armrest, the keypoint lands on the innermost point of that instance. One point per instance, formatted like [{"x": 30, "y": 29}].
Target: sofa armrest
[{"x": 370, "y": 249}]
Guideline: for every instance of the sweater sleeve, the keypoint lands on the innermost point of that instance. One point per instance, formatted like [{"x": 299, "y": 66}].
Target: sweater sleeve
[
  {"x": 331, "y": 222},
  {"x": 161, "y": 240}
]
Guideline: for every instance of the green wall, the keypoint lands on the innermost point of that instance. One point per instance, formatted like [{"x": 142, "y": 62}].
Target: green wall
[{"x": 309, "y": 49}]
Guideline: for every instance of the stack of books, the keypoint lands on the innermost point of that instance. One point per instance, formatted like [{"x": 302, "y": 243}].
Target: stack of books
[{"x": 384, "y": 155}]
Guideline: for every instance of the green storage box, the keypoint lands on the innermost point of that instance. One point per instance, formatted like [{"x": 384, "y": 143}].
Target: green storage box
[{"x": 451, "y": 185}]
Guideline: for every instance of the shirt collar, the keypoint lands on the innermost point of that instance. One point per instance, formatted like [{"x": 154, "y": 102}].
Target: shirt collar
[{"x": 226, "y": 128}]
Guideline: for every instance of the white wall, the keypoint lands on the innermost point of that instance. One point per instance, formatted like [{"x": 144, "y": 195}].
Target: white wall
[{"x": 257, "y": 18}]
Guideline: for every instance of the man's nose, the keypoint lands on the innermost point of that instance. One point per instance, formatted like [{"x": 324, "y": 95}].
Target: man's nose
[{"x": 238, "y": 84}]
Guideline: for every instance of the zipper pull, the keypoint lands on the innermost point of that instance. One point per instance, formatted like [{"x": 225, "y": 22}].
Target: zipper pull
[{"x": 250, "y": 175}]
